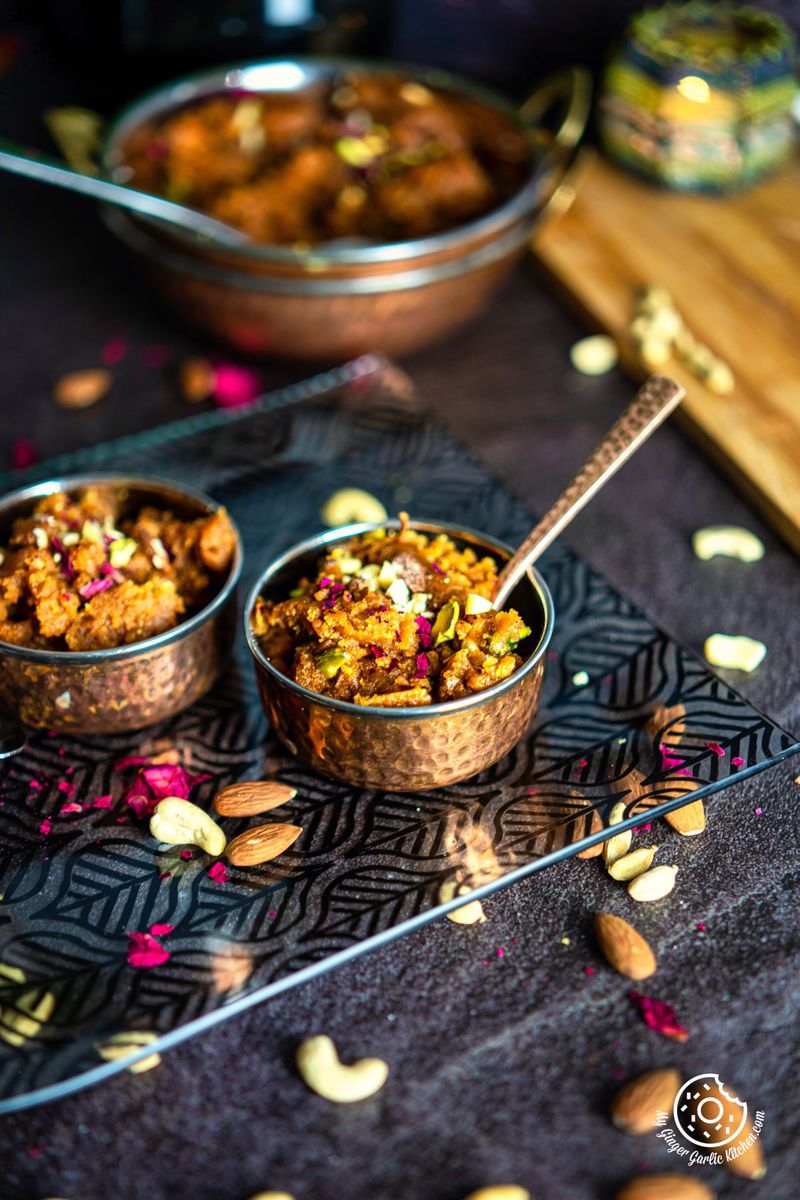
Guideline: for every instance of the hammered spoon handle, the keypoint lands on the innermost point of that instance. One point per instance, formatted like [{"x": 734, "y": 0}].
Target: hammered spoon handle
[{"x": 651, "y": 405}]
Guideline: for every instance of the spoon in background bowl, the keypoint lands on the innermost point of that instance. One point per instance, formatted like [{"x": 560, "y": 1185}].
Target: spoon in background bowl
[
  {"x": 50, "y": 170},
  {"x": 651, "y": 405}
]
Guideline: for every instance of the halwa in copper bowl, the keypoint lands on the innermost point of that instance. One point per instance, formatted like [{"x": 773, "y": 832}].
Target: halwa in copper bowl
[
  {"x": 123, "y": 686},
  {"x": 335, "y": 286},
  {"x": 402, "y": 748}
]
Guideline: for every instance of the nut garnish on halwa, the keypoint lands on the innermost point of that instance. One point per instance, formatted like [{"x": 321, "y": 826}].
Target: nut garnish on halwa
[
  {"x": 393, "y": 619},
  {"x": 85, "y": 572}
]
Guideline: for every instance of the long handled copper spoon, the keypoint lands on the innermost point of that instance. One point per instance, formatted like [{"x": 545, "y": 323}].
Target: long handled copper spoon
[{"x": 651, "y": 405}]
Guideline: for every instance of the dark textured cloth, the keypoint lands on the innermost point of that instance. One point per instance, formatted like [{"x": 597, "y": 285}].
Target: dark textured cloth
[{"x": 502, "y": 1068}]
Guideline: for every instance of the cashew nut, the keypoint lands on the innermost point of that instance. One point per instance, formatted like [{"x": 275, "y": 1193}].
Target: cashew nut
[
  {"x": 181, "y": 823},
  {"x": 739, "y": 653},
  {"x": 272, "y": 1196},
  {"x": 501, "y": 1191},
  {"x": 349, "y": 505},
  {"x": 594, "y": 355},
  {"x": 122, "y": 1045},
  {"x": 320, "y": 1069},
  {"x": 470, "y": 913},
  {"x": 26, "y": 1020},
  {"x": 729, "y": 540}
]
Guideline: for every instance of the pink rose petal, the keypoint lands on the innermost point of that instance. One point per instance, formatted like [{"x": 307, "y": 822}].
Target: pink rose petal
[
  {"x": 70, "y": 808},
  {"x": 144, "y": 951},
  {"x": 218, "y": 873},
  {"x": 659, "y": 1016},
  {"x": 160, "y": 930},
  {"x": 103, "y": 802},
  {"x": 23, "y": 454},
  {"x": 114, "y": 351},
  {"x": 46, "y": 826},
  {"x": 235, "y": 386}
]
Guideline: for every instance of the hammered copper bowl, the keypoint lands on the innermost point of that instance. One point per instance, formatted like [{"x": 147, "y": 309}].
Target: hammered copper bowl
[
  {"x": 335, "y": 301},
  {"x": 128, "y": 687},
  {"x": 403, "y": 749}
]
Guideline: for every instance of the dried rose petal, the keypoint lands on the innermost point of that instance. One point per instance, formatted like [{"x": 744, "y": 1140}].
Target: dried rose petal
[
  {"x": 94, "y": 586},
  {"x": 23, "y": 454},
  {"x": 435, "y": 567},
  {"x": 235, "y": 386},
  {"x": 170, "y": 779},
  {"x": 140, "y": 798},
  {"x": 70, "y": 808},
  {"x": 46, "y": 826},
  {"x": 160, "y": 930},
  {"x": 144, "y": 951},
  {"x": 132, "y": 760},
  {"x": 424, "y": 631},
  {"x": 218, "y": 873},
  {"x": 423, "y": 666},
  {"x": 376, "y": 651},
  {"x": 114, "y": 351},
  {"x": 659, "y": 1016},
  {"x": 103, "y": 802}
]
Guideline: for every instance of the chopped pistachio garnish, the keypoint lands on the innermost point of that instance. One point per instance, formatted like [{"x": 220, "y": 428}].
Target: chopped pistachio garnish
[
  {"x": 354, "y": 151},
  {"x": 444, "y": 626},
  {"x": 121, "y": 551},
  {"x": 330, "y": 662},
  {"x": 91, "y": 532}
]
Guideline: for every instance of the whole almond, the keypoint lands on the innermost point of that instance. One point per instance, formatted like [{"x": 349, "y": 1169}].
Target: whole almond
[
  {"x": 595, "y": 825},
  {"x": 261, "y": 844},
  {"x": 80, "y": 389},
  {"x": 632, "y": 864},
  {"x": 624, "y": 947},
  {"x": 196, "y": 379},
  {"x": 248, "y": 798},
  {"x": 689, "y": 820},
  {"x": 637, "y": 1104},
  {"x": 673, "y": 716},
  {"x": 654, "y": 884},
  {"x": 665, "y": 1187},
  {"x": 750, "y": 1164}
]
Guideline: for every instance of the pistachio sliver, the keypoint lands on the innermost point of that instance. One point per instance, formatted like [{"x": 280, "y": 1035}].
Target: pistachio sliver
[
  {"x": 121, "y": 551},
  {"x": 444, "y": 626},
  {"x": 330, "y": 662}
]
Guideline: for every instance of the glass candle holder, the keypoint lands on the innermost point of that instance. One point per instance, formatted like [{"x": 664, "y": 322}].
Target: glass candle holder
[{"x": 699, "y": 96}]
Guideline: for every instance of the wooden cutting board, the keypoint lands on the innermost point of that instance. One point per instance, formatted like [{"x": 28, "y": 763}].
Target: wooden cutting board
[{"x": 733, "y": 267}]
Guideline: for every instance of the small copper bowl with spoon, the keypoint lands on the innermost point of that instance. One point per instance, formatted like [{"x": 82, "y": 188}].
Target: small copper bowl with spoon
[{"x": 413, "y": 748}]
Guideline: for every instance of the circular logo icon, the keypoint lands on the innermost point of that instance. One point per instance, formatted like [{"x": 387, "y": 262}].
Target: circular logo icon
[{"x": 706, "y": 1114}]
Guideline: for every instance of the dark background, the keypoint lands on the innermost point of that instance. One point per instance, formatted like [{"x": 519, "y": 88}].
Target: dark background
[{"x": 498, "y": 1073}]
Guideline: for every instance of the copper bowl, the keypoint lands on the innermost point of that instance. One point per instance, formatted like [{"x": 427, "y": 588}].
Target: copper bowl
[
  {"x": 127, "y": 687},
  {"x": 336, "y": 301},
  {"x": 402, "y": 749}
]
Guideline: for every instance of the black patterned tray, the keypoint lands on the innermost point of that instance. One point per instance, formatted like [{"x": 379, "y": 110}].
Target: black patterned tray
[{"x": 369, "y": 866}]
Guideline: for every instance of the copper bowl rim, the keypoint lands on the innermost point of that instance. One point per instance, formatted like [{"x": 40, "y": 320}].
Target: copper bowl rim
[
  {"x": 422, "y": 712},
  {"x": 305, "y": 72},
  {"x": 159, "y": 485}
]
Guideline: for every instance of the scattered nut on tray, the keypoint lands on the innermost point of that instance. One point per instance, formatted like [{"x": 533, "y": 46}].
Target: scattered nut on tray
[
  {"x": 659, "y": 331},
  {"x": 321, "y": 1070}
]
